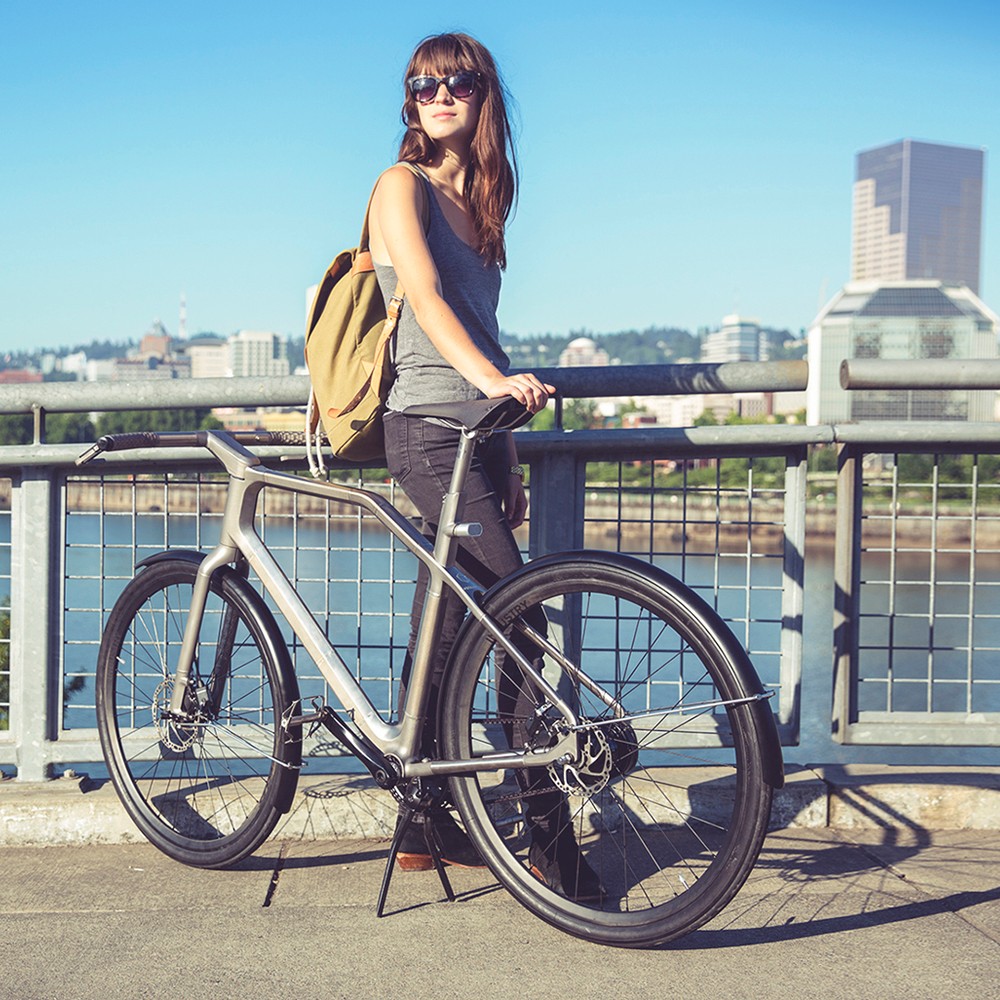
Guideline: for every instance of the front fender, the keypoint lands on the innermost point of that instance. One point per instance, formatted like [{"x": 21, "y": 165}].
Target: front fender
[
  {"x": 192, "y": 556},
  {"x": 185, "y": 555}
]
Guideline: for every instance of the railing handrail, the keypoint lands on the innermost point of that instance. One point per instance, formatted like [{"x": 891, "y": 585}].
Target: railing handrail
[
  {"x": 292, "y": 390},
  {"x": 923, "y": 373},
  {"x": 612, "y": 444}
]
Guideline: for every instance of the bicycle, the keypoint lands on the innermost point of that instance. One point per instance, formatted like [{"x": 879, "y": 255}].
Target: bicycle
[{"x": 583, "y": 683}]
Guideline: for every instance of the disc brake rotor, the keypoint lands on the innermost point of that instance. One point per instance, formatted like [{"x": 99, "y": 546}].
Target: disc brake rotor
[{"x": 591, "y": 769}]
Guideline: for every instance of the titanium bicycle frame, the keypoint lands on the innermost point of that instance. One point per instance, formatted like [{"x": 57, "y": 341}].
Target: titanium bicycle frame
[{"x": 401, "y": 742}]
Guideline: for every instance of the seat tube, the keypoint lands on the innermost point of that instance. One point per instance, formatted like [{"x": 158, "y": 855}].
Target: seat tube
[{"x": 445, "y": 542}]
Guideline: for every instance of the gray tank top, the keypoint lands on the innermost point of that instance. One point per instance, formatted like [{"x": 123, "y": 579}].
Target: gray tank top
[{"x": 472, "y": 289}]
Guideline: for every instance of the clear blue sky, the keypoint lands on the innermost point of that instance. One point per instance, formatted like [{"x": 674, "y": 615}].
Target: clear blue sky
[{"x": 679, "y": 161}]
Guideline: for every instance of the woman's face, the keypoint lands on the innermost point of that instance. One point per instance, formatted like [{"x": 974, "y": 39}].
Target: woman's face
[{"x": 448, "y": 119}]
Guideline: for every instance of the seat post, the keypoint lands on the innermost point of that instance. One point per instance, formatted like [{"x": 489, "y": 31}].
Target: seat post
[{"x": 449, "y": 528}]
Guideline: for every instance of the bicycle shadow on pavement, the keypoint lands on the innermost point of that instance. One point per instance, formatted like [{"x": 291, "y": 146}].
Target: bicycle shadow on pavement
[{"x": 874, "y": 867}]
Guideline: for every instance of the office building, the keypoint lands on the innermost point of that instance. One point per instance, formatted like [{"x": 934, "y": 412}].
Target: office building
[
  {"x": 739, "y": 339},
  {"x": 918, "y": 213},
  {"x": 904, "y": 320},
  {"x": 209, "y": 354}
]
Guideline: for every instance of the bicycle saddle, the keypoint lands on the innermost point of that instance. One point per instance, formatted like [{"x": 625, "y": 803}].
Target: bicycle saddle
[{"x": 501, "y": 414}]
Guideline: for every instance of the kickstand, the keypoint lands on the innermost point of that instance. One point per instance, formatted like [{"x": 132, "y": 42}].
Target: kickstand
[{"x": 406, "y": 817}]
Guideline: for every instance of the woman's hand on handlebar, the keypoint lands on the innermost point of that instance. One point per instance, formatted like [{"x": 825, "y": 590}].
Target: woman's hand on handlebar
[{"x": 524, "y": 387}]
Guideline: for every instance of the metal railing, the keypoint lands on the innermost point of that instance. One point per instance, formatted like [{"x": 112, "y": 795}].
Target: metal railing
[{"x": 728, "y": 509}]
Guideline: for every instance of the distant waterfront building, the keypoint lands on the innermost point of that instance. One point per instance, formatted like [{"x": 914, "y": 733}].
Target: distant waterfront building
[
  {"x": 15, "y": 376},
  {"x": 100, "y": 369},
  {"x": 209, "y": 356},
  {"x": 903, "y": 320},
  {"x": 155, "y": 343},
  {"x": 75, "y": 364},
  {"x": 918, "y": 213},
  {"x": 739, "y": 339},
  {"x": 258, "y": 354},
  {"x": 149, "y": 368},
  {"x": 582, "y": 352}
]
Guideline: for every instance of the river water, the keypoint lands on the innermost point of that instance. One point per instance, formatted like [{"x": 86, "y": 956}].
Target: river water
[{"x": 326, "y": 564}]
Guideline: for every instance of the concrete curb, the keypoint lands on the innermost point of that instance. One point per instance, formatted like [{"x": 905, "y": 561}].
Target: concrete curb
[{"x": 75, "y": 811}]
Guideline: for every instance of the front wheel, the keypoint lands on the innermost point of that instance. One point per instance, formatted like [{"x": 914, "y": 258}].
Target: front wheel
[
  {"x": 656, "y": 822},
  {"x": 206, "y": 787}
]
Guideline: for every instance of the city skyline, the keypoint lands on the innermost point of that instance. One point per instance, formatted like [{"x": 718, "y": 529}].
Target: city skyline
[{"x": 677, "y": 166}]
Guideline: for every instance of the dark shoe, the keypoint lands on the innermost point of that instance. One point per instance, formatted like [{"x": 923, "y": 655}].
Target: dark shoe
[
  {"x": 452, "y": 842},
  {"x": 562, "y": 867}
]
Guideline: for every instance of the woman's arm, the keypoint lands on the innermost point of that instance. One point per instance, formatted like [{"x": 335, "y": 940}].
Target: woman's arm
[{"x": 397, "y": 230}]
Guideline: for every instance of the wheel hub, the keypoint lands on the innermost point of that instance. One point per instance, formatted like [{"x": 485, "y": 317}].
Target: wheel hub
[
  {"x": 176, "y": 734},
  {"x": 624, "y": 747}
]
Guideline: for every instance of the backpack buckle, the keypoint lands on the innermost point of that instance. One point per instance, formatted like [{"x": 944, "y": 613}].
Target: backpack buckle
[{"x": 395, "y": 306}]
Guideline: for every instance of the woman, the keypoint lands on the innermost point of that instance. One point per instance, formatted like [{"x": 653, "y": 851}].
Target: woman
[{"x": 458, "y": 135}]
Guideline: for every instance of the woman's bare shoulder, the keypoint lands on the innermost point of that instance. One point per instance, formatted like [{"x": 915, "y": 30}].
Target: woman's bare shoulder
[{"x": 398, "y": 183}]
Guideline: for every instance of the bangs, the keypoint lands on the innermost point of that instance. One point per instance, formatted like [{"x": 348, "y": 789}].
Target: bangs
[{"x": 441, "y": 55}]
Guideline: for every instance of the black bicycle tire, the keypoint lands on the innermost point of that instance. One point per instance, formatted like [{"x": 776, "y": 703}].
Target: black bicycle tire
[
  {"x": 213, "y": 850},
  {"x": 754, "y": 738}
]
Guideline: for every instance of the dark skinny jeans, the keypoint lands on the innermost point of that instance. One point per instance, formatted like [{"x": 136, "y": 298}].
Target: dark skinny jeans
[{"x": 421, "y": 457}]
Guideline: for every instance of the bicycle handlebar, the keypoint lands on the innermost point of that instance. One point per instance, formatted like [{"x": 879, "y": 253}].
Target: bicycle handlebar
[{"x": 186, "y": 439}]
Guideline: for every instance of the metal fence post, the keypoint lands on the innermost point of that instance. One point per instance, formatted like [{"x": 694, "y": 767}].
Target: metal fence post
[
  {"x": 556, "y": 514},
  {"x": 34, "y": 621},
  {"x": 792, "y": 595},
  {"x": 845, "y": 586}
]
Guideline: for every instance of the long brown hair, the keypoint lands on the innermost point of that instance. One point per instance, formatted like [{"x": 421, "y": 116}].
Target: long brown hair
[{"x": 491, "y": 174}]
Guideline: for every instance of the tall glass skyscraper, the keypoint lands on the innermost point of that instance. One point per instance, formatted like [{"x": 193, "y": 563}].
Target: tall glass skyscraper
[{"x": 918, "y": 210}]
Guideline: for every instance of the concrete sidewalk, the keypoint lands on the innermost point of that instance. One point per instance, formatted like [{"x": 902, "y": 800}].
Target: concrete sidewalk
[{"x": 827, "y": 913}]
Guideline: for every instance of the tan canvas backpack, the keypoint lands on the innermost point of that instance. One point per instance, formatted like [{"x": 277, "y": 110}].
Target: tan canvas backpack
[{"x": 349, "y": 354}]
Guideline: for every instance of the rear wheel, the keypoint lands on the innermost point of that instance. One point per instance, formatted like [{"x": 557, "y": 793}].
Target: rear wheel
[
  {"x": 655, "y": 824},
  {"x": 208, "y": 786}
]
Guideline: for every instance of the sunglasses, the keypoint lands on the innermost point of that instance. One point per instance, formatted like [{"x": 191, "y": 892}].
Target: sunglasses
[{"x": 460, "y": 85}]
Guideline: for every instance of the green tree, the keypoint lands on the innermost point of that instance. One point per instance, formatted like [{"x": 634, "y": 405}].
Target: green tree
[
  {"x": 62, "y": 428},
  {"x": 16, "y": 428},
  {"x": 579, "y": 414}
]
